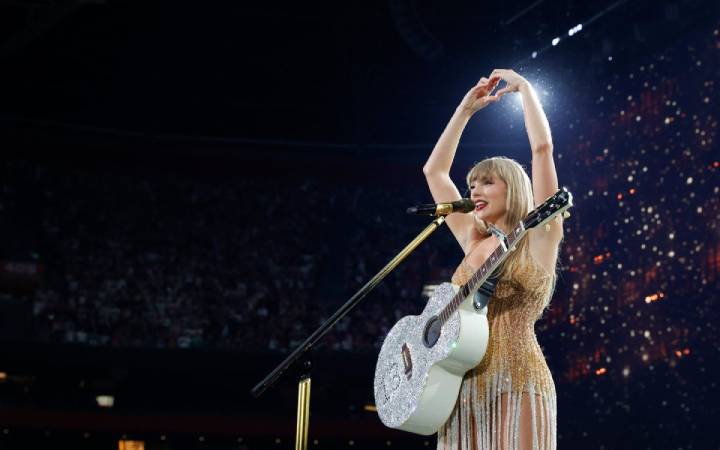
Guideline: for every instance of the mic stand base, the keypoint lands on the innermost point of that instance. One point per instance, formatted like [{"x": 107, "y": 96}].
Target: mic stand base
[{"x": 303, "y": 414}]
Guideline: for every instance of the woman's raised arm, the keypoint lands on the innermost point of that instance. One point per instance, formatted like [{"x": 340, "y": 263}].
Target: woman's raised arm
[
  {"x": 543, "y": 244},
  {"x": 437, "y": 167}
]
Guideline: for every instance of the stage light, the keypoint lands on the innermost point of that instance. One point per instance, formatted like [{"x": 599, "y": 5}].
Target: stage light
[
  {"x": 518, "y": 100},
  {"x": 429, "y": 290},
  {"x": 534, "y": 55},
  {"x": 131, "y": 445},
  {"x": 575, "y": 29},
  {"x": 555, "y": 41},
  {"x": 105, "y": 401}
]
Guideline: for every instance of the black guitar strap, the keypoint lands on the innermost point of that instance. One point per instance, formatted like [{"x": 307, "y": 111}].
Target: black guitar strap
[{"x": 485, "y": 291}]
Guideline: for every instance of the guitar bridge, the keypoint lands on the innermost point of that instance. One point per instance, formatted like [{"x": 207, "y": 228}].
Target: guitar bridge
[{"x": 407, "y": 360}]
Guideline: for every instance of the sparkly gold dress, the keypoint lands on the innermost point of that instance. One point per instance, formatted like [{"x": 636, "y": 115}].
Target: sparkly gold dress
[{"x": 494, "y": 409}]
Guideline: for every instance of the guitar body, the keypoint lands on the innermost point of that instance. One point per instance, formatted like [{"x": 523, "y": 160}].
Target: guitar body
[{"x": 418, "y": 373}]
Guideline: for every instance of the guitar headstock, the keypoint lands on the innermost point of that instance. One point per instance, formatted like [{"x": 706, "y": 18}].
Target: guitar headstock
[{"x": 560, "y": 202}]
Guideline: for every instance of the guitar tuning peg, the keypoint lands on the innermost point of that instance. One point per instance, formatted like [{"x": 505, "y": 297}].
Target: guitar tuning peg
[
  {"x": 566, "y": 214},
  {"x": 547, "y": 227}
]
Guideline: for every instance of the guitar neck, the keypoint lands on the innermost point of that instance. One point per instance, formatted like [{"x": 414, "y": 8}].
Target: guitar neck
[
  {"x": 483, "y": 273},
  {"x": 550, "y": 208}
]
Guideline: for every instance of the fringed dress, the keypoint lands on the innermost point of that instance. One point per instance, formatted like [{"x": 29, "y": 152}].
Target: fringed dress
[{"x": 495, "y": 410}]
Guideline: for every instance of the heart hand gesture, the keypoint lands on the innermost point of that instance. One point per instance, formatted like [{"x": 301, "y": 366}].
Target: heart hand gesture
[
  {"x": 513, "y": 81},
  {"x": 479, "y": 96}
]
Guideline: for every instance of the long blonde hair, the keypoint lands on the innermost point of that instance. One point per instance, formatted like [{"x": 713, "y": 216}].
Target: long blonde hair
[{"x": 518, "y": 203}]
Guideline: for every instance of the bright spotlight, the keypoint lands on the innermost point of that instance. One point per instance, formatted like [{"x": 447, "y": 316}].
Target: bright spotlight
[
  {"x": 534, "y": 55},
  {"x": 543, "y": 90},
  {"x": 555, "y": 41},
  {"x": 518, "y": 100}
]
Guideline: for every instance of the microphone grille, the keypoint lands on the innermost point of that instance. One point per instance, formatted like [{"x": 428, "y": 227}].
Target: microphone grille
[{"x": 465, "y": 205}]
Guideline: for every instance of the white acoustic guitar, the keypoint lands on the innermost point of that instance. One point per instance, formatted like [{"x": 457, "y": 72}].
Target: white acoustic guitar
[{"x": 424, "y": 358}]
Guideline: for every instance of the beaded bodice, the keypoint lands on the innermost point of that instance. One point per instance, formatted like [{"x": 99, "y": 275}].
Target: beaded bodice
[{"x": 512, "y": 312}]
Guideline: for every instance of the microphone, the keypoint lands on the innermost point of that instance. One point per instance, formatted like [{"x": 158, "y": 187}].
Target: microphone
[{"x": 443, "y": 209}]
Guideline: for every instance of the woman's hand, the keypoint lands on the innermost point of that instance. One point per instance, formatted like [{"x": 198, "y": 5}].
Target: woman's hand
[
  {"x": 513, "y": 81},
  {"x": 479, "y": 96}
]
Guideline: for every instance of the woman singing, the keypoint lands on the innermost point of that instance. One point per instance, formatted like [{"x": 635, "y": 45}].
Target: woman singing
[{"x": 508, "y": 401}]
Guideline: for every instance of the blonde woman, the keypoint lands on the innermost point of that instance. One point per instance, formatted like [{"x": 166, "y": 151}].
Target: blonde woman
[{"x": 508, "y": 401}]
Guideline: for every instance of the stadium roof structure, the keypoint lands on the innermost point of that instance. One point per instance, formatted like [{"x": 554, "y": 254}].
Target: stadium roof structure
[{"x": 387, "y": 72}]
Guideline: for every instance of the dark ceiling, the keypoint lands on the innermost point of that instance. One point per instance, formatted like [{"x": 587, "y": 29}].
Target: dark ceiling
[{"x": 343, "y": 73}]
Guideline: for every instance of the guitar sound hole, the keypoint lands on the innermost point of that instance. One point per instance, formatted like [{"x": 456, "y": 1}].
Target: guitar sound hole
[{"x": 432, "y": 332}]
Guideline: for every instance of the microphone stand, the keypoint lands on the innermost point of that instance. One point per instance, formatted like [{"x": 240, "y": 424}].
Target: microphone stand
[{"x": 302, "y": 351}]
